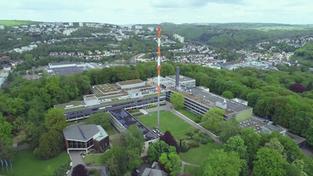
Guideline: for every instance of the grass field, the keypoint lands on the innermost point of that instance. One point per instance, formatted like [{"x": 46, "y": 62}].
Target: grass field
[
  {"x": 168, "y": 122},
  {"x": 26, "y": 164},
  {"x": 14, "y": 22},
  {"x": 197, "y": 155}
]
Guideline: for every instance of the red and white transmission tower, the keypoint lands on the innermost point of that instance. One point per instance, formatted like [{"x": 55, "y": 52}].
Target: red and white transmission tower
[{"x": 159, "y": 70}]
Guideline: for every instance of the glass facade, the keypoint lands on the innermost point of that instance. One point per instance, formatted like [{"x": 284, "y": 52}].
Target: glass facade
[{"x": 78, "y": 144}]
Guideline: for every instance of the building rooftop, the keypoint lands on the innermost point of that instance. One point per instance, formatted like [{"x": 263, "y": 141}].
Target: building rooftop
[
  {"x": 126, "y": 119},
  {"x": 269, "y": 128},
  {"x": 90, "y": 97},
  {"x": 67, "y": 70},
  {"x": 104, "y": 89},
  {"x": 84, "y": 132},
  {"x": 181, "y": 78},
  {"x": 70, "y": 105},
  {"x": 134, "y": 81},
  {"x": 297, "y": 139},
  {"x": 211, "y": 100}
]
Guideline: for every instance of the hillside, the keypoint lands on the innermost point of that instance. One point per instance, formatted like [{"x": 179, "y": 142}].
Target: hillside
[
  {"x": 15, "y": 22},
  {"x": 236, "y": 35}
]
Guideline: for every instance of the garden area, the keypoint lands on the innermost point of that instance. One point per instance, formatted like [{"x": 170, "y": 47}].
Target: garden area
[{"x": 26, "y": 164}]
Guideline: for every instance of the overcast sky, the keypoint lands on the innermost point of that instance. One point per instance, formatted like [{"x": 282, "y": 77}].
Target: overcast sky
[{"x": 157, "y": 11}]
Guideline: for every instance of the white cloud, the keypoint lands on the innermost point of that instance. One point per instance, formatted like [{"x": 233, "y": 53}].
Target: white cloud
[{"x": 156, "y": 11}]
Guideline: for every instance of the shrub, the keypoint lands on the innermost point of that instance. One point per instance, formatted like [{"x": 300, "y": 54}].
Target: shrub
[{"x": 193, "y": 144}]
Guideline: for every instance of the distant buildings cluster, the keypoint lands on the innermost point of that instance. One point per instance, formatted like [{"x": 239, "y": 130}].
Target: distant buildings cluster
[{"x": 70, "y": 68}]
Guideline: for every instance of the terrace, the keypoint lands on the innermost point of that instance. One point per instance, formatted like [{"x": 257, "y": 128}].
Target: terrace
[{"x": 105, "y": 89}]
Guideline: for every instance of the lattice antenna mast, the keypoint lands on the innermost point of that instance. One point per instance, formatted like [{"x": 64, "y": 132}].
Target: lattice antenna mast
[{"x": 159, "y": 70}]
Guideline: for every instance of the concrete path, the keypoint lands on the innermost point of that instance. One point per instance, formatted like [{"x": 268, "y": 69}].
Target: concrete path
[
  {"x": 76, "y": 159},
  {"x": 184, "y": 163}
]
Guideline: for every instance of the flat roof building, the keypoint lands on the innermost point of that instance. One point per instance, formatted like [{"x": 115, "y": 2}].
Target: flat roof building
[
  {"x": 184, "y": 81},
  {"x": 200, "y": 100},
  {"x": 85, "y": 138},
  {"x": 131, "y": 84}
]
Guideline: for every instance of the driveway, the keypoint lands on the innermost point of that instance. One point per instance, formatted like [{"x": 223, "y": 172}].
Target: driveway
[{"x": 76, "y": 158}]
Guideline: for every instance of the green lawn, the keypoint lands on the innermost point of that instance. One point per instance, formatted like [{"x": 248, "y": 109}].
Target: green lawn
[
  {"x": 93, "y": 159},
  {"x": 14, "y": 22},
  {"x": 168, "y": 122},
  {"x": 197, "y": 155},
  {"x": 192, "y": 170},
  {"x": 193, "y": 116},
  {"x": 26, "y": 164}
]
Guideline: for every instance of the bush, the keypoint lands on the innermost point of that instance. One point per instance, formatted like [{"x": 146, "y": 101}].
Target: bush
[
  {"x": 204, "y": 140},
  {"x": 184, "y": 147},
  {"x": 193, "y": 144},
  {"x": 169, "y": 139},
  {"x": 198, "y": 120},
  {"x": 61, "y": 170}
]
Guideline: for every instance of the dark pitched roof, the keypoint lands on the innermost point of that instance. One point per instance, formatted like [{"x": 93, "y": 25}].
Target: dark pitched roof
[{"x": 81, "y": 132}]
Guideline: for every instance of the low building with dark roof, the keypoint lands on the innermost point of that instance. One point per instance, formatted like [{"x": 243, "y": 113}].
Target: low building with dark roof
[{"x": 86, "y": 138}]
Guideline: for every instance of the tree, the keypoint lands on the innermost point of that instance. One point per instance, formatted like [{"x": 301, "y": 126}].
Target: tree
[
  {"x": 252, "y": 140},
  {"x": 168, "y": 138},
  {"x": 100, "y": 118},
  {"x": 269, "y": 162},
  {"x": 229, "y": 128},
  {"x": 296, "y": 87},
  {"x": 237, "y": 144},
  {"x": 156, "y": 149},
  {"x": 228, "y": 94},
  {"x": 276, "y": 145},
  {"x": 50, "y": 145},
  {"x": 116, "y": 161},
  {"x": 296, "y": 168},
  {"x": 214, "y": 117},
  {"x": 5, "y": 138},
  {"x": 171, "y": 162},
  {"x": 134, "y": 142},
  {"x": 177, "y": 99},
  {"x": 79, "y": 170},
  {"x": 290, "y": 149},
  {"x": 55, "y": 119},
  {"x": 308, "y": 165},
  {"x": 231, "y": 164},
  {"x": 309, "y": 134}
]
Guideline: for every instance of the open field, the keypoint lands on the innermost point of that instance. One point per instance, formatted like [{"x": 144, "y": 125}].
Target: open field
[
  {"x": 14, "y": 22},
  {"x": 26, "y": 164},
  {"x": 168, "y": 122}
]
